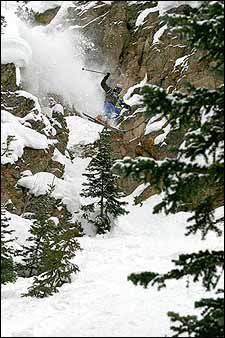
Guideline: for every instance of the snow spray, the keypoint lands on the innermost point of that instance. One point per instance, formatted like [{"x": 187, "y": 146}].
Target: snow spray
[{"x": 58, "y": 57}]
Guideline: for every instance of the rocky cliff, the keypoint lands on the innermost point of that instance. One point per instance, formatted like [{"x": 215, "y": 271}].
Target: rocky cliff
[
  {"x": 132, "y": 41},
  {"x": 31, "y": 157}
]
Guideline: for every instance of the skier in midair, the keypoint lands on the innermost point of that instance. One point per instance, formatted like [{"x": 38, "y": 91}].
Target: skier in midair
[{"x": 113, "y": 104}]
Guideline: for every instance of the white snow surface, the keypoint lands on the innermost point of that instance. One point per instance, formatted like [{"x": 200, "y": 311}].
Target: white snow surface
[
  {"x": 181, "y": 60},
  {"x": 39, "y": 184},
  {"x": 73, "y": 169},
  {"x": 82, "y": 131},
  {"x": 100, "y": 302},
  {"x": 141, "y": 17},
  {"x": 23, "y": 137},
  {"x": 21, "y": 228},
  {"x": 42, "y": 6},
  {"x": 167, "y": 5},
  {"x": 162, "y": 7},
  {"x": 13, "y": 47},
  {"x": 133, "y": 99},
  {"x": 160, "y": 139},
  {"x": 155, "y": 126},
  {"x": 58, "y": 109},
  {"x": 158, "y": 34}
]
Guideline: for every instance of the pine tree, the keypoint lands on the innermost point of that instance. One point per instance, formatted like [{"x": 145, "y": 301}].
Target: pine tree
[
  {"x": 57, "y": 253},
  {"x": 8, "y": 270},
  {"x": 40, "y": 230},
  {"x": 53, "y": 246},
  {"x": 197, "y": 172},
  {"x": 101, "y": 186}
]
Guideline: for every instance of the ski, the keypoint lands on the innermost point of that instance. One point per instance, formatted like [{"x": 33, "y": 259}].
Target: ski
[{"x": 92, "y": 119}]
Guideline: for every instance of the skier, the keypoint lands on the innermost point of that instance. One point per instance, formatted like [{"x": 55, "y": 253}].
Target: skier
[{"x": 112, "y": 100}]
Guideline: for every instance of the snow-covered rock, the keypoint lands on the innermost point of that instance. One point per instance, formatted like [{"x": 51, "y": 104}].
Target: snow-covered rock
[
  {"x": 23, "y": 137},
  {"x": 40, "y": 183},
  {"x": 14, "y": 49}
]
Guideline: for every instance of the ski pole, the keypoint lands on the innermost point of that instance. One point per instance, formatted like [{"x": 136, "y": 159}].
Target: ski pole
[{"x": 93, "y": 71}]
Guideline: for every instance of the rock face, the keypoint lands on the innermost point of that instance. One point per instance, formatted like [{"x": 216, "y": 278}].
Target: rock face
[
  {"x": 46, "y": 17},
  {"x": 132, "y": 49},
  {"x": 130, "y": 45},
  {"x": 21, "y": 104},
  {"x": 8, "y": 77}
]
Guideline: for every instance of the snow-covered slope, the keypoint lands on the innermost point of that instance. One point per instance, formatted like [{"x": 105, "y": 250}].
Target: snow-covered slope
[
  {"x": 82, "y": 131},
  {"x": 100, "y": 302}
]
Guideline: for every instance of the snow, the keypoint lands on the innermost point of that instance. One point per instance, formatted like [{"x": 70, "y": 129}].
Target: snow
[
  {"x": 210, "y": 157},
  {"x": 42, "y": 6},
  {"x": 39, "y": 113},
  {"x": 82, "y": 131},
  {"x": 161, "y": 138},
  {"x": 23, "y": 137},
  {"x": 15, "y": 50},
  {"x": 162, "y": 7},
  {"x": 59, "y": 69},
  {"x": 100, "y": 302},
  {"x": 86, "y": 6},
  {"x": 56, "y": 21},
  {"x": 13, "y": 47},
  {"x": 47, "y": 111},
  {"x": 30, "y": 96},
  {"x": 135, "y": 99},
  {"x": 26, "y": 173},
  {"x": 11, "y": 29},
  {"x": 73, "y": 169},
  {"x": 181, "y": 60},
  {"x": 158, "y": 34},
  {"x": 58, "y": 109},
  {"x": 155, "y": 126},
  {"x": 39, "y": 183},
  {"x": 141, "y": 17},
  {"x": 18, "y": 76},
  {"x": 21, "y": 228},
  {"x": 165, "y": 6}
]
